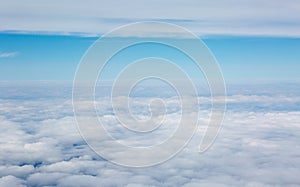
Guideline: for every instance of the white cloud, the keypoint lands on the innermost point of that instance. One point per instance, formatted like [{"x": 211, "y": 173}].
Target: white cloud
[
  {"x": 40, "y": 146},
  {"x": 10, "y": 180},
  {"x": 222, "y": 17},
  {"x": 8, "y": 55},
  {"x": 17, "y": 171}
]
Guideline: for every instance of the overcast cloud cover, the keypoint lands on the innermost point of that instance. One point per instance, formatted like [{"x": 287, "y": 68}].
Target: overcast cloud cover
[
  {"x": 92, "y": 17},
  {"x": 257, "y": 146}
]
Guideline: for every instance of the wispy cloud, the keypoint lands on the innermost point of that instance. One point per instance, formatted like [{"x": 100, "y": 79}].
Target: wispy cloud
[{"x": 8, "y": 54}]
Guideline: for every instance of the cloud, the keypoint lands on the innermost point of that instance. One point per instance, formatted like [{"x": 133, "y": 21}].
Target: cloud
[
  {"x": 222, "y": 17},
  {"x": 10, "y": 180},
  {"x": 8, "y": 55},
  {"x": 41, "y": 146}
]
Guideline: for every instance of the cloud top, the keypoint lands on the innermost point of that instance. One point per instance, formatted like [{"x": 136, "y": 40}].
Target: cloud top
[{"x": 41, "y": 146}]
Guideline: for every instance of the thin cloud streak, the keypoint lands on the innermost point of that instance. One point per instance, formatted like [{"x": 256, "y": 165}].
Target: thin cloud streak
[{"x": 8, "y": 54}]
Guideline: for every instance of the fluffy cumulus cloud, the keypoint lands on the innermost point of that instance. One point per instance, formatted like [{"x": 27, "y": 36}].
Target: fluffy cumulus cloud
[{"x": 257, "y": 146}]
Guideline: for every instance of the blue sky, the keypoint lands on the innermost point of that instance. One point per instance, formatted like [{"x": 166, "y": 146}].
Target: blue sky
[
  {"x": 243, "y": 59},
  {"x": 253, "y": 40}
]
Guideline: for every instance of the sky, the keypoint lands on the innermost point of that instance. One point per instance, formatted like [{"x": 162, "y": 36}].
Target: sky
[
  {"x": 243, "y": 59},
  {"x": 255, "y": 42}
]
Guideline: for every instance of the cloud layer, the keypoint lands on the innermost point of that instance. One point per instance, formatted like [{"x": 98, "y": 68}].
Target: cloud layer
[
  {"x": 41, "y": 146},
  {"x": 223, "y": 17}
]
